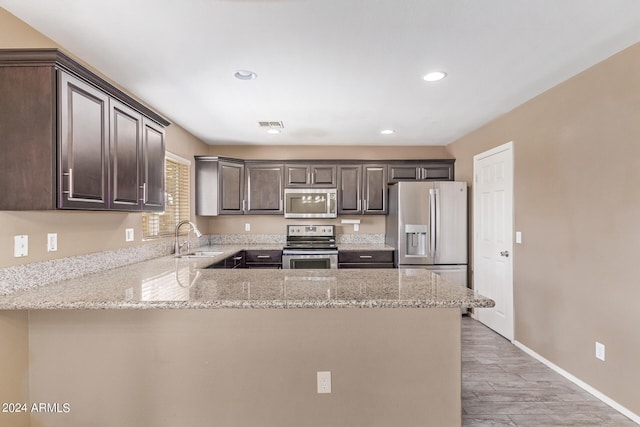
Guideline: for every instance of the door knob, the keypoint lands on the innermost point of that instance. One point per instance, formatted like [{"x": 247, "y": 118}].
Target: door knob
[{"x": 504, "y": 254}]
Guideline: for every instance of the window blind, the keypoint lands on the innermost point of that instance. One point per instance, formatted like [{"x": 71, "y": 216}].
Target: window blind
[{"x": 176, "y": 202}]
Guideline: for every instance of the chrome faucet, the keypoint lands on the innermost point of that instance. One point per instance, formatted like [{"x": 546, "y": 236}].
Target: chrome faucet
[{"x": 187, "y": 242}]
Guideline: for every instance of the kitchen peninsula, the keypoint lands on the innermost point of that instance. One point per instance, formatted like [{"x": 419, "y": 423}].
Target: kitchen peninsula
[{"x": 167, "y": 342}]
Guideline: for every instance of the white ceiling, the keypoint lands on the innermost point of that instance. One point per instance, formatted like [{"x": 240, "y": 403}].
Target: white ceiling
[{"x": 336, "y": 71}]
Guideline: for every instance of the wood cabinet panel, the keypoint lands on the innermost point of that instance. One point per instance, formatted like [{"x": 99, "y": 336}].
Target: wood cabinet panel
[
  {"x": 365, "y": 259},
  {"x": 260, "y": 258},
  {"x": 231, "y": 187},
  {"x": 350, "y": 185},
  {"x": 264, "y": 187},
  {"x": 125, "y": 150},
  {"x": 153, "y": 168},
  {"x": 310, "y": 175},
  {"x": 363, "y": 189},
  {"x": 375, "y": 189},
  {"x": 84, "y": 127},
  {"x": 27, "y": 138}
]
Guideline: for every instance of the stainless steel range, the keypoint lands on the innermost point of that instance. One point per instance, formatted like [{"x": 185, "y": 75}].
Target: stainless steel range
[{"x": 310, "y": 247}]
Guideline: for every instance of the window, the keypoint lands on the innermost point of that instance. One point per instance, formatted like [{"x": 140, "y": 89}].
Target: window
[{"x": 176, "y": 200}]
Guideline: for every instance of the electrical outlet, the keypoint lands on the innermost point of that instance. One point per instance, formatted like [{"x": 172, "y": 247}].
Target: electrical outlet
[
  {"x": 247, "y": 227},
  {"x": 52, "y": 242},
  {"x": 324, "y": 382},
  {"x": 600, "y": 351},
  {"x": 128, "y": 235},
  {"x": 20, "y": 246},
  {"x": 356, "y": 227}
]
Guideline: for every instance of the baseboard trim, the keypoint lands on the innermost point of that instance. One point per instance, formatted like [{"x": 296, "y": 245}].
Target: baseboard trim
[{"x": 586, "y": 387}]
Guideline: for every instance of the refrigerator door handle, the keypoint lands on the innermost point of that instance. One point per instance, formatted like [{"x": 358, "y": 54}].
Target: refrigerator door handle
[
  {"x": 432, "y": 223},
  {"x": 436, "y": 236}
]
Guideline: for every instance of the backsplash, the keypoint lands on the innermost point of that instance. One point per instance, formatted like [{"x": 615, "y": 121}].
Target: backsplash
[{"x": 41, "y": 273}]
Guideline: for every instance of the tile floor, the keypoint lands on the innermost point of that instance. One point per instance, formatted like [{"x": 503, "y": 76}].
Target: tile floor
[{"x": 503, "y": 386}]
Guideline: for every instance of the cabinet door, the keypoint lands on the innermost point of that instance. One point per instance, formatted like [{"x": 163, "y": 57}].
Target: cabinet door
[
  {"x": 264, "y": 188},
  {"x": 375, "y": 189},
  {"x": 125, "y": 152},
  {"x": 323, "y": 175},
  {"x": 83, "y": 155},
  {"x": 403, "y": 172},
  {"x": 230, "y": 188},
  {"x": 350, "y": 189},
  {"x": 297, "y": 175},
  {"x": 153, "y": 170},
  {"x": 437, "y": 172}
]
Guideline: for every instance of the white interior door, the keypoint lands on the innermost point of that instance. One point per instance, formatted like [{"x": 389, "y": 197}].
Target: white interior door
[{"x": 493, "y": 236}]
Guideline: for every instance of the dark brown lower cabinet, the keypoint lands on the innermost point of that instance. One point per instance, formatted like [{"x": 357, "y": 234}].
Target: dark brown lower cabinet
[
  {"x": 259, "y": 258},
  {"x": 365, "y": 259}
]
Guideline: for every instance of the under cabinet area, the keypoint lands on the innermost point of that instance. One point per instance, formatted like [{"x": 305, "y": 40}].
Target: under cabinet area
[
  {"x": 93, "y": 146},
  {"x": 365, "y": 259}
]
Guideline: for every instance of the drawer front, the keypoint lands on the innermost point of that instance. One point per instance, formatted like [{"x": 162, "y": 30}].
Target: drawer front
[
  {"x": 365, "y": 257},
  {"x": 365, "y": 265},
  {"x": 263, "y": 256}
]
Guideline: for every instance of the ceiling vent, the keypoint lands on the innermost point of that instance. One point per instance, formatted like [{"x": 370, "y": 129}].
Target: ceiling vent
[{"x": 271, "y": 125}]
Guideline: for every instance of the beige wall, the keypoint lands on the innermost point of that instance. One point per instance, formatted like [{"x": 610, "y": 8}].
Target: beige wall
[
  {"x": 390, "y": 367},
  {"x": 14, "y": 365},
  {"x": 78, "y": 232},
  {"x": 577, "y": 204}
]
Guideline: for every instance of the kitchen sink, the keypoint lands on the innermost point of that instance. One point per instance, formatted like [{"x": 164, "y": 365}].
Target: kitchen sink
[{"x": 201, "y": 254}]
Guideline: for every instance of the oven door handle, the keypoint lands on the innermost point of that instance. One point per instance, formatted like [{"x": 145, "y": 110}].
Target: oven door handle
[{"x": 306, "y": 252}]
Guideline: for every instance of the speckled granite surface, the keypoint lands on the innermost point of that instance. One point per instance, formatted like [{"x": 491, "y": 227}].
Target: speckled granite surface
[{"x": 167, "y": 282}]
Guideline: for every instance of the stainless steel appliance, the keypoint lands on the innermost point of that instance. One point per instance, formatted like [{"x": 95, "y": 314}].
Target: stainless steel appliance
[
  {"x": 427, "y": 224},
  {"x": 310, "y": 247},
  {"x": 310, "y": 203}
]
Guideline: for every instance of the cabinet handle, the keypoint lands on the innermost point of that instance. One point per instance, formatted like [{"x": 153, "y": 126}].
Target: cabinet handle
[
  {"x": 309, "y": 178},
  {"x": 263, "y": 256},
  {"x": 366, "y": 256},
  {"x": 70, "y": 175},
  {"x": 144, "y": 193},
  {"x": 236, "y": 258},
  {"x": 359, "y": 205},
  {"x": 243, "y": 205}
]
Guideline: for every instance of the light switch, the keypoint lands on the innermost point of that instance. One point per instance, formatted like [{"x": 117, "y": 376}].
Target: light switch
[
  {"x": 518, "y": 237},
  {"x": 21, "y": 246},
  {"x": 52, "y": 242}
]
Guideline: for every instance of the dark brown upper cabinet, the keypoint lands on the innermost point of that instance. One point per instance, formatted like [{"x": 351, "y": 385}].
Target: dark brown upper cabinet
[
  {"x": 362, "y": 189},
  {"x": 219, "y": 186},
  {"x": 71, "y": 140},
  {"x": 310, "y": 175},
  {"x": 421, "y": 170},
  {"x": 263, "y": 188}
]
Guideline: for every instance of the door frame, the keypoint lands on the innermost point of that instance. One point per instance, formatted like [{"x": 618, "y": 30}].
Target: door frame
[{"x": 509, "y": 146}]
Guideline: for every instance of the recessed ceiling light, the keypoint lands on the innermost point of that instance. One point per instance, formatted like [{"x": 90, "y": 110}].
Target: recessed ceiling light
[
  {"x": 273, "y": 131},
  {"x": 434, "y": 76},
  {"x": 387, "y": 131},
  {"x": 245, "y": 75}
]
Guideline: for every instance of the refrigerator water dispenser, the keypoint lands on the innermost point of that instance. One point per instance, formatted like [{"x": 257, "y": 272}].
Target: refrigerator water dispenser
[{"x": 416, "y": 235}]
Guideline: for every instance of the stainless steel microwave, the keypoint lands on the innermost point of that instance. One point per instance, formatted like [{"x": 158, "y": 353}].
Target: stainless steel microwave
[{"x": 310, "y": 203}]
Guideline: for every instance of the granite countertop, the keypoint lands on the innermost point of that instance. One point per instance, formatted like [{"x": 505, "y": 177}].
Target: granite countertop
[{"x": 169, "y": 282}]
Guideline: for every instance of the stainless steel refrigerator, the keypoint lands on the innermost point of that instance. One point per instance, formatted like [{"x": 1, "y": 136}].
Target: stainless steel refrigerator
[{"x": 427, "y": 224}]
